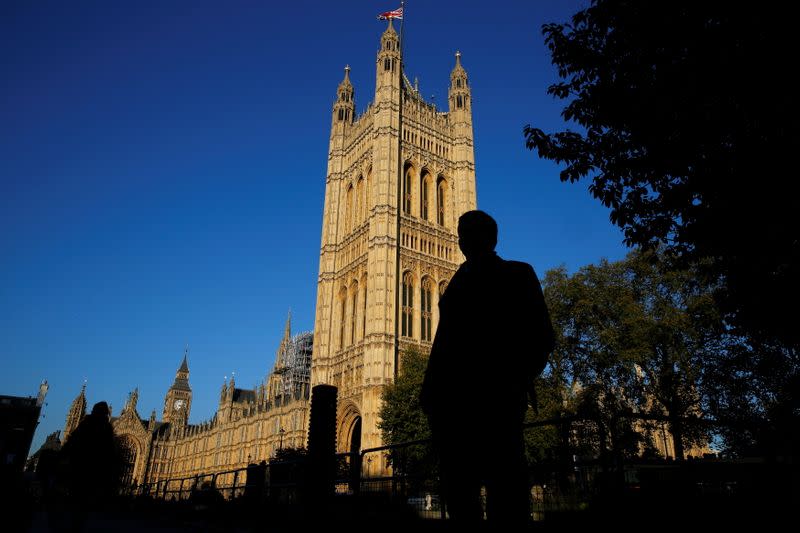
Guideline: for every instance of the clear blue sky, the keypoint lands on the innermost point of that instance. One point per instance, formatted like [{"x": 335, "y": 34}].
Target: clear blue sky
[{"x": 162, "y": 170}]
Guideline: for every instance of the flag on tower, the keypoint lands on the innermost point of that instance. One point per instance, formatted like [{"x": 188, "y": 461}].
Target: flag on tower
[{"x": 396, "y": 14}]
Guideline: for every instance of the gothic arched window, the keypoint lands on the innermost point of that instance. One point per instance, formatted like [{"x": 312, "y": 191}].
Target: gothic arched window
[
  {"x": 348, "y": 217},
  {"x": 425, "y": 300},
  {"x": 441, "y": 191},
  {"x": 407, "y": 312},
  {"x": 424, "y": 196},
  {"x": 360, "y": 200},
  {"x": 343, "y": 316},
  {"x": 354, "y": 311},
  {"x": 364, "y": 315},
  {"x": 407, "y": 192}
]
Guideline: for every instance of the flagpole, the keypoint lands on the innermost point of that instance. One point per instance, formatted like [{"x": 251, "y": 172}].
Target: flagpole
[{"x": 402, "y": 42}]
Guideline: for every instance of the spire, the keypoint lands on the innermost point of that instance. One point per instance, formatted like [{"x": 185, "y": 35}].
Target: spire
[
  {"x": 458, "y": 70},
  {"x": 287, "y": 332},
  {"x": 390, "y": 41},
  {"x": 345, "y": 105},
  {"x": 133, "y": 399},
  {"x": 459, "y": 93},
  {"x": 390, "y": 28},
  {"x": 185, "y": 365},
  {"x": 182, "y": 375}
]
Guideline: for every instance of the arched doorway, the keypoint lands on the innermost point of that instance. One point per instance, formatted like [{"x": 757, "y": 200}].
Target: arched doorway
[{"x": 128, "y": 452}]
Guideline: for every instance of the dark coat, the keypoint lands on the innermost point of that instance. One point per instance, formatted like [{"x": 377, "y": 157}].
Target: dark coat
[{"x": 493, "y": 339}]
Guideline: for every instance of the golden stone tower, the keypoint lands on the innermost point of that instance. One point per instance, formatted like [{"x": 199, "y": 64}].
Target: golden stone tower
[{"x": 399, "y": 176}]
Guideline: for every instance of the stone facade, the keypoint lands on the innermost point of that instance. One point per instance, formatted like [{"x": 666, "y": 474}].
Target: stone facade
[
  {"x": 250, "y": 425},
  {"x": 399, "y": 176}
]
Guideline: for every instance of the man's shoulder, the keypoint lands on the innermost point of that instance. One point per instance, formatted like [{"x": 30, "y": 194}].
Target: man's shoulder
[{"x": 517, "y": 267}]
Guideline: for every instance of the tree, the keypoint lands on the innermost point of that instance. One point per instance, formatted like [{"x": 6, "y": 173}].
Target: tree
[
  {"x": 631, "y": 338},
  {"x": 402, "y": 419},
  {"x": 686, "y": 119}
]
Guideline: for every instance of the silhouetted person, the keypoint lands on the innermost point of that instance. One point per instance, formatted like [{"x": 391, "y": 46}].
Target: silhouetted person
[
  {"x": 493, "y": 339},
  {"x": 89, "y": 468}
]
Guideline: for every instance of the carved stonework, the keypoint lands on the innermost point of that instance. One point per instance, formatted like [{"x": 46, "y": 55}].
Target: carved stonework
[{"x": 355, "y": 343}]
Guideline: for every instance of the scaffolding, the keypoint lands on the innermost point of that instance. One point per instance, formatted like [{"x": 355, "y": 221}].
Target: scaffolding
[{"x": 293, "y": 364}]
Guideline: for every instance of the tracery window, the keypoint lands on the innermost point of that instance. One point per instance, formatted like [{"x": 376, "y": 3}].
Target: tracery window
[
  {"x": 342, "y": 317},
  {"x": 425, "y": 300},
  {"x": 407, "y": 192},
  {"x": 407, "y": 312},
  {"x": 423, "y": 197},
  {"x": 441, "y": 191},
  {"x": 354, "y": 312}
]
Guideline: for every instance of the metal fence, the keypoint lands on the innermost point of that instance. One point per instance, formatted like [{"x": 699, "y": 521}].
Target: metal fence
[{"x": 582, "y": 468}]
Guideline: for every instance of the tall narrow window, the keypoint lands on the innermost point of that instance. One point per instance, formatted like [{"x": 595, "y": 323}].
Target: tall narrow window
[
  {"x": 407, "y": 314},
  {"x": 354, "y": 313},
  {"x": 348, "y": 212},
  {"x": 441, "y": 190},
  {"x": 342, "y": 318},
  {"x": 425, "y": 300},
  {"x": 364, "y": 315},
  {"x": 407, "y": 192},
  {"x": 360, "y": 201},
  {"x": 423, "y": 197}
]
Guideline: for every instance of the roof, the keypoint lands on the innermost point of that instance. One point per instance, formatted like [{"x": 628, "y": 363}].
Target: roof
[{"x": 244, "y": 395}]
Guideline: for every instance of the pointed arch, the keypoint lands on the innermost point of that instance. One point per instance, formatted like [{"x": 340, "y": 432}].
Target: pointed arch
[
  {"x": 407, "y": 310},
  {"x": 364, "y": 306},
  {"x": 407, "y": 193},
  {"x": 342, "y": 315},
  {"x": 425, "y": 186},
  {"x": 353, "y": 310},
  {"x": 359, "y": 200},
  {"x": 348, "y": 217},
  {"x": 367, "y": 202},
  {"x": 441, "y": 201},
  {"x": 426, "y": 304}
]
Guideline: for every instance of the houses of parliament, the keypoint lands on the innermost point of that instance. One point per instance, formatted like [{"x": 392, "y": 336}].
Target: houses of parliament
[{"x": 398, "y": 177}]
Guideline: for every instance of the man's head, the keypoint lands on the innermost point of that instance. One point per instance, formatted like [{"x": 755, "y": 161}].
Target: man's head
[
  {"x": 477, "y": 234},
  {"x": 100, "y": 409}
]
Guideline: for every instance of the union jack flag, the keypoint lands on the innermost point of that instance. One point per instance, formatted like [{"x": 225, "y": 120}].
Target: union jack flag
[{"x": 396, "y": 14}]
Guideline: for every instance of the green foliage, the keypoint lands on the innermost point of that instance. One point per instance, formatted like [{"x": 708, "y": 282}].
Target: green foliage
[
  {"x": 631, "y": 336},
  {"x": 289, "y": 454},
  {"x": 402, "y": 419},
  {"x": 542, "y": 443},
  {"x": 684, "y": 118}
]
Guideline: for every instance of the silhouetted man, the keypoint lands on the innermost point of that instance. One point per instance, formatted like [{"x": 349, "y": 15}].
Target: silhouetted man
[
  {"x": 493, "y": 339},
  {"x": 90, "y": 465}
]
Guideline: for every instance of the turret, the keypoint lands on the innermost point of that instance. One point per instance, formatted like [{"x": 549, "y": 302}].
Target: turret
[
  {"x": 463, "y": 153},
  {"x": 76, "y": 413},
  {"x": 459, "y": 92},
  {"x": 345, "y": 105},
  {"x": 388, "y": 65}
]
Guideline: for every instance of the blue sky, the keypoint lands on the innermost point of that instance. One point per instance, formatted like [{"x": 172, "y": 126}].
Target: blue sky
[{"x": 162, "y": 172}]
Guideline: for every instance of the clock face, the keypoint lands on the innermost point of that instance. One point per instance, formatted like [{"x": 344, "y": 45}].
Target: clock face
[{"x": 178, "y": 405}]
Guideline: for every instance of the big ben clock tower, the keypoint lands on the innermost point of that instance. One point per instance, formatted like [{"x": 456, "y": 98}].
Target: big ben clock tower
[{"x": 179, "y": 396}]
